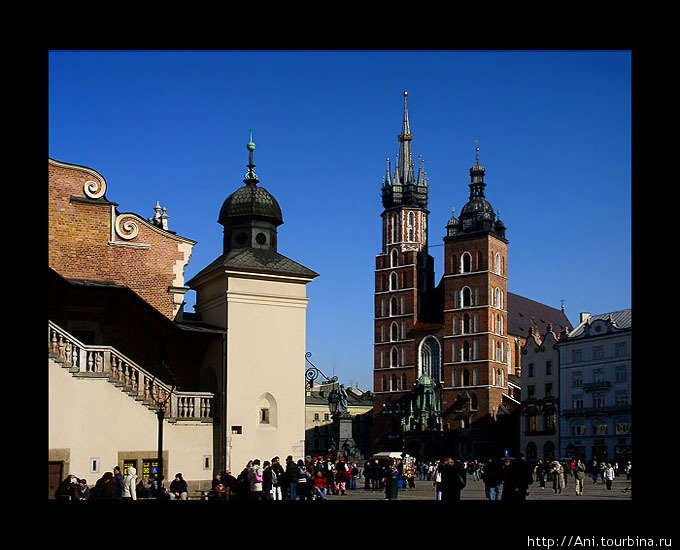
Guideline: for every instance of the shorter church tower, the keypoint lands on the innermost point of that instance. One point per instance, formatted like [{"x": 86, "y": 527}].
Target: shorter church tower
[{"x": 259, "y": 297}]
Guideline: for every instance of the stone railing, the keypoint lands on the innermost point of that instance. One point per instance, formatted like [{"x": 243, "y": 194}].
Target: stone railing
[{"x": 88, "y": 361}]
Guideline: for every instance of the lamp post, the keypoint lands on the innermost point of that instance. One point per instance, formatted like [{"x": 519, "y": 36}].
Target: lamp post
[{"x": 161, "y": 398}]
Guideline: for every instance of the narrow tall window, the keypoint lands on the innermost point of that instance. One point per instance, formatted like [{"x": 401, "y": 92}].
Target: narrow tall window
[
  {"x": 466, "y": 261},
  {"x": 394, "y": 282},
  {"x": 395, "y": 257},
  {"x": 467, "y": 297},
  {"x": 411, "y": 226},
  {"x": 393, "y": 306}
]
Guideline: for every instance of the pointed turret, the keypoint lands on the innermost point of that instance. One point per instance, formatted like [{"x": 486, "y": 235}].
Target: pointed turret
[{"x": 405, "y": 189}]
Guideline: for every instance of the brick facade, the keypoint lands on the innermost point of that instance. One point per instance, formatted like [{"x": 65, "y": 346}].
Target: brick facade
[{"x": 90, "y": 239}]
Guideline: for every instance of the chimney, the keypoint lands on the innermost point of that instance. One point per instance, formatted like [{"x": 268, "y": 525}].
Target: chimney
[{"x": 583, "y": 316}]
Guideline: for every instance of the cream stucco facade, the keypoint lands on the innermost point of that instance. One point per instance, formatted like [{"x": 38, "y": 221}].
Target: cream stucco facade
[
  {"x": 265, "y": 320},
  {"x": 91, "y": 419}
]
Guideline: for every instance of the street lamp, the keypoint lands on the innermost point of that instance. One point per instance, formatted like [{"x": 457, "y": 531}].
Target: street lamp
[{"x": 161, "y": 398}]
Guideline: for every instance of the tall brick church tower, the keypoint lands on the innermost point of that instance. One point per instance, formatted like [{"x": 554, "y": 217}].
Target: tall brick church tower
[{"x": 441, "y": 352}]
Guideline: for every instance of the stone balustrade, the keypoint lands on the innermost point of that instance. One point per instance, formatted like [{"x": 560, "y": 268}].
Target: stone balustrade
[{"x": 90, "y": 361}]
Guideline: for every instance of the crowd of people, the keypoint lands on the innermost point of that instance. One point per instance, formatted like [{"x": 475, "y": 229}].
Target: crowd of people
[
  {"x": 113, "y": 485},
  {"x": 313, "y": 478}
]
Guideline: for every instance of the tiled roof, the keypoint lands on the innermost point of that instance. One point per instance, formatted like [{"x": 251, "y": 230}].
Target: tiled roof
[
  {"x": 622, "y": 319},
  {"x": 256, "y": 259},
  {"x": 524, "y": 313}
]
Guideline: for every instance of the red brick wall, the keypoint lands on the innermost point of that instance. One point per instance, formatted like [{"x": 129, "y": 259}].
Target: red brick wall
[{"x": 79, "y": 236}]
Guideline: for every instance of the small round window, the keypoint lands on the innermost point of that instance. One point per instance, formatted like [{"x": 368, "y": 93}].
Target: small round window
[{"x": 261, "y": 238}]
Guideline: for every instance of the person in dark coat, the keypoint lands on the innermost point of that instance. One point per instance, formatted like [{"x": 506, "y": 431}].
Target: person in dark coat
[
  {"x": 453, "y": 480},
  {"x": 65, "y": 489},
  {"x": 516, "y": 479},
  {"x": 109, "y": 487},
  {"x": 280, "y": 486},
  {"x": 120, "y": 480},
  {"x": 178, "y": 488},
  {"x": 292, "y": 474},
  {"x": 492, "y": 476}
]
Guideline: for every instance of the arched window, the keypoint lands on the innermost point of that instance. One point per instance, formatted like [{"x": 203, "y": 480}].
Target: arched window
[
  {"x": 394, "y": 332},
  {"x": 394, "y": 383},
  {"x": 502, "y": 265},
  {"x": 466, "y": 263},
  {"x": 394, "y": 357},
  {"x": 393, "y": 306},
  {"x": 403, "y": 304},
  {"x": 473, "y": 401},
  {"x": 466, "y": 351},
  {"x": 394, "y": 281},
  {"x": 497, "y": 298},
  {"x": 456, "y": 378},
  {"x": 395, "y": 230},
  {"x": 411, "y": 226},
  {"x": 466, "y": 377},
  {"x": 466, "y": 324},
  {"x": 475, "y": 377},
  {"x": 430, "y": 358},
  {"x": 497, "y": 264},
  {"x": 467, "y": 297},
  {"x": 384, "y": 383},
  {"x": 455, "y": 324},
  {"x": 403, "y": 381},
  {"x": 395, "y": 257},
  {"x": 456, "y": 298}
]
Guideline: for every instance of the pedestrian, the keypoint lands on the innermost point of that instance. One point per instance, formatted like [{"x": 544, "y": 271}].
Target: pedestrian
[
  {"x": 368, "y": 475},
  {"x": 158, "y": 489},
  {"x": 341, "y": 476},
  {"x": 81, "y": 491},
  {"x": 108, "y": 488},
  {"x": 579, "y": 476},
  {"x": 118, "y": 476},
  {"x": 516, "y": 479},
  {"x": 492, "y": 476},
  {"x": 178, "y": 488},
  {"x": 539, "y": 473},
  {"x": 230, "y": 483},
  {"x": 629, "y": 470},
  {"x": 218, "y": 490},
  {"x": 255, "y": 481},
  {"x": 143, "y": 488},
  {"x": 320, "y": 485},
  {"x": 594, "y": 471},
  {"x": 129, "y": 491},
  {"x": 609, "y": 476},
  {"x": 279, "y": 488},
  {"x": 267, "y": 481},
  {"x": 452, "y": 480},
  {"x": 292, "y": 473},
  {"x": 302, "y": 479},
  {"x": 437, "y": 481},
  {"x": 353, "y": 475},
  {"x": 243, "y": 482},
  {"x": 558, "y": 477},
  {"x": 65, "y": 489}
]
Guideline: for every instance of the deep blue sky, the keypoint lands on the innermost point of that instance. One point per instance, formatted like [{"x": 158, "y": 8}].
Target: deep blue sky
[{"x": 554, "y": 131}]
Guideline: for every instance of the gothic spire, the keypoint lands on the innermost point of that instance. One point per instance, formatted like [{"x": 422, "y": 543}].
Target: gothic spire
[{"x": 405, "y": 168}]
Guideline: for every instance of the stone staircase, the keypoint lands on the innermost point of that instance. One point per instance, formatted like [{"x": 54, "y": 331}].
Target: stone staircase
[{"x": 88, "y": 361}]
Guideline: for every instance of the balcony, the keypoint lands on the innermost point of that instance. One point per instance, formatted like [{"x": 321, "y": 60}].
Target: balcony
[
  {"x": 602, "y": 385},
  {"x": 590, "y": 411}
]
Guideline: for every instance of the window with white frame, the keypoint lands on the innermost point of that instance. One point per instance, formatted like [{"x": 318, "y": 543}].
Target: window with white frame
[
  {"x": 466, "y": 263},
  {"x": 395, "y": 257}
]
